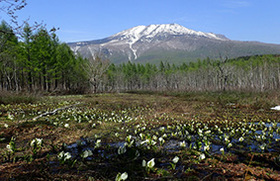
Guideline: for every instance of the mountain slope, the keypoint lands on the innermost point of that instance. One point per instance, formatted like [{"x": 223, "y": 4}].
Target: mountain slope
[{"x": 168, "y": 42}]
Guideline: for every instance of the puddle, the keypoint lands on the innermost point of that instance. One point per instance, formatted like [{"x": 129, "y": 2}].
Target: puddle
[
  {"x": 116, "y": 144},
  {"x": 172, "y": 145},
  {"x": 266, "y": 124},
  {"x": 260, "y": 141},
  {"x": 216, "y": 149}
]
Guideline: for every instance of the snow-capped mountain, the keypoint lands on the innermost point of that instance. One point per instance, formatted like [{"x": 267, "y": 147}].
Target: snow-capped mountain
[
  {"x": 149, "y": 33},
  {"x": 153, "y": 31},
  {"x": 166, "y": 41}
]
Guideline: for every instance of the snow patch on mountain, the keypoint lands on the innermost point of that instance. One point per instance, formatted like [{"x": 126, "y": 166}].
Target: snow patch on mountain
[
  {"x": 147, "y": 33},
  {"x": 154, "y": 30},
  {"x": 136, "y": 41}
]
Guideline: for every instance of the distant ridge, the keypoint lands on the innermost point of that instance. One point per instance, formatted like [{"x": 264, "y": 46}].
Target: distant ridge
[{"x": 168, "y": 42}]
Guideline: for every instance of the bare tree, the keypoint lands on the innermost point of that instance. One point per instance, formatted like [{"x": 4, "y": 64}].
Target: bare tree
[
  {"x": 224, "y": 72},
  {"x": 96, "y": 68},
  {"x": 10, "y": 7}
]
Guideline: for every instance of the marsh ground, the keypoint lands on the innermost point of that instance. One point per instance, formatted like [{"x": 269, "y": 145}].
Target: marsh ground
[{"x": 216, "y": 136}]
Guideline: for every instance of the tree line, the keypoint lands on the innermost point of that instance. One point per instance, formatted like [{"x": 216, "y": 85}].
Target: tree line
[
  {"x": 252, "y": 73},
  {"x": 37, "y": 61}
]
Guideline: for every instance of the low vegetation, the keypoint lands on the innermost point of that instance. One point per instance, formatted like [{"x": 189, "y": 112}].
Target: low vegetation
[
  {"x": 142, "y": 136},
  {"x": 17, "y": 98}
]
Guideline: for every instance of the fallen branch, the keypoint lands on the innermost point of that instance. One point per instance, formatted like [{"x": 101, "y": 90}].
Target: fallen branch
[{"x": 54, "y": 111}]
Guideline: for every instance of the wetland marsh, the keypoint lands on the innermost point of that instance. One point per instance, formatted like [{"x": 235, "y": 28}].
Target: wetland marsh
[{"x": 142, "y": 136}]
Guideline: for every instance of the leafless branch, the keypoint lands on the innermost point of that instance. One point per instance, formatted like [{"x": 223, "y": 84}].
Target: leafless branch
[
  {"x": 10, "y": 8},
  {"x": 54, "y": 111}
]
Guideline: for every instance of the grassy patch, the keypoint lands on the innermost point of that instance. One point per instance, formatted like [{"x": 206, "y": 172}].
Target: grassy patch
[{"x": 15, "y": 98}]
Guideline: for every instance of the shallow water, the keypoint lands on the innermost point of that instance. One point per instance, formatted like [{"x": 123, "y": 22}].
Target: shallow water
[{"x": 251, "y": 143}]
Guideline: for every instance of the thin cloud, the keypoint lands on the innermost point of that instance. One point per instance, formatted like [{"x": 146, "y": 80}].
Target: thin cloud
[{"x": 232, "y": 4}]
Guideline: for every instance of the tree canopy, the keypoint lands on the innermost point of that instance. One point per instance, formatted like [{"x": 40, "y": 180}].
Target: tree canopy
[{"x": 39, "y": 62}]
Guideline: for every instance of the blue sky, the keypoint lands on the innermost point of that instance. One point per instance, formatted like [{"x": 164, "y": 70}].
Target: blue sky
[{"x": 246, "y": 20}]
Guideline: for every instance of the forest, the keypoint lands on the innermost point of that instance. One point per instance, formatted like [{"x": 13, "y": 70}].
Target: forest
[
  {"x": 38, "y": 62},
  {"x": 255, "y": 73}
]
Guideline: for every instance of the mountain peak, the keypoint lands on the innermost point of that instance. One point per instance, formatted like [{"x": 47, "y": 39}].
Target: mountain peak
[
  {"x": 154, "y": 30},
  {"x": 170, "y": 42}
]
